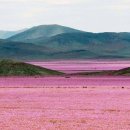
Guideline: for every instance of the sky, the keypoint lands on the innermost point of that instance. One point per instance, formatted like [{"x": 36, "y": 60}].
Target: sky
[{"x": 87, "y": 15}]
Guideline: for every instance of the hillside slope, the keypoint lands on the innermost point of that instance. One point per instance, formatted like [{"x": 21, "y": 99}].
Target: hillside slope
[
  {"x": 121, "y": 72},
  {"x": 13, "y": 68}
]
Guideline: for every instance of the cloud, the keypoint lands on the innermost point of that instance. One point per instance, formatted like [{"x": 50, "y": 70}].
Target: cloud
[
  {"x": 119, "y": 7},
  {"x": 82, "y": 14}
]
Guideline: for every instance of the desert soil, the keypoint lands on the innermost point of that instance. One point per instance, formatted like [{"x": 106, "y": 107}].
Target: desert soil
[{"x": 65, "y": 104}]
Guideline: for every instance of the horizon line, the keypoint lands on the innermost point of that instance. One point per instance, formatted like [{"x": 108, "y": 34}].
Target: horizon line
[{"x": 20, "y": 29}]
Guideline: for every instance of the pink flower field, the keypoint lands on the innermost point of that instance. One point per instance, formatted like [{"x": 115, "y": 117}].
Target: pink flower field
[
  {"x": 58, "y": 103},
  {"x": 72, "y": 66}
]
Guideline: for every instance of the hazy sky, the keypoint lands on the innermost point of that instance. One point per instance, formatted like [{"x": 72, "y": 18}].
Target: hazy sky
[{"x": 89, "y": 15}]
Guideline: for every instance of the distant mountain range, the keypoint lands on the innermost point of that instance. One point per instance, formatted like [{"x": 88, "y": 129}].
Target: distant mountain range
[{"x": 60, "y": 42}]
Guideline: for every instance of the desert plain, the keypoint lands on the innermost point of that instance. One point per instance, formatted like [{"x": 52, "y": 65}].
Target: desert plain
[{"x": 66, "y": 103}]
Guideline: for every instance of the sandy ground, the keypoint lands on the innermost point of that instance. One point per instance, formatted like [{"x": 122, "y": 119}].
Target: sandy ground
[{"x": 79, "y": 108}]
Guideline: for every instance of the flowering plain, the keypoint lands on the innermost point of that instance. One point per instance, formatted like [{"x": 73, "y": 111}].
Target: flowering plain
[{"x": 65, "y": 103}]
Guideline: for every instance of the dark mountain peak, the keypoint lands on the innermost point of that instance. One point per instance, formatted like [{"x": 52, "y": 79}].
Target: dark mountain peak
[
  {"x": 49, "y": 25},
  {"x": 42, "y": 31}
]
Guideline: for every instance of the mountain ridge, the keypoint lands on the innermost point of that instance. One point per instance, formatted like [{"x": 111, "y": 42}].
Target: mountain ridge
[
  {"x": 60, "y": 42},
  {"x": 41, "y": 31}
]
